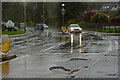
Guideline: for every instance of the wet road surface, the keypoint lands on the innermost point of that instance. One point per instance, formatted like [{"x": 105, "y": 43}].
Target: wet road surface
[{"x": 50, "y": 54}]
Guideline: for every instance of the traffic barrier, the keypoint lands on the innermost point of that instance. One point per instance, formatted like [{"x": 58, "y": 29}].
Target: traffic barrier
[
  {"x": 5, "y": 49},
  {"x": 5, "y": 43}
]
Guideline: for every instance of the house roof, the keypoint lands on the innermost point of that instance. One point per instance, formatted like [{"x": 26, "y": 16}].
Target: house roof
[{"x": 108, "y": 6}]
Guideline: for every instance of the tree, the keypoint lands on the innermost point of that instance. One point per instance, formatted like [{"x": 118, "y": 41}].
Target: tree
[
  {"x": 72, "y": 11},
  {"x": 15, "y": 11},
  {"x": 100, "y": 19},
  {"x": 72, "y": 21},
  {"x": 87, "y": 16},
  {"x": 113, "y": 14},
  {"x": 12, "y": 11}
]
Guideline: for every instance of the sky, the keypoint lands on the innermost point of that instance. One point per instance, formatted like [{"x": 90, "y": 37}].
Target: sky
[{"x": 59, "y": 0}]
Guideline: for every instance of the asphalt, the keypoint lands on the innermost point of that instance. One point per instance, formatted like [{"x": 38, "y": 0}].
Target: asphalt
[{"x": 50, "y": 54}]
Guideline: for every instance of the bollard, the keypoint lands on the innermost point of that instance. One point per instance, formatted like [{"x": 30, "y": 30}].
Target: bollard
[
  {"x": 5, "y": 43},
  {"x": 63, "y": 30},
  {"x": 5, "y": 48}
]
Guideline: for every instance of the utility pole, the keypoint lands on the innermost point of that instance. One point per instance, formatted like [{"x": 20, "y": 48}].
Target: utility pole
[
  {"x": 43, "y": 13},
  {"x": 25, "y": 16}
]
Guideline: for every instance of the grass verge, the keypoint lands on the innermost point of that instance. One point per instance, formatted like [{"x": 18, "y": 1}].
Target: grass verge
[
  {"x": 107, "y": 30},
  {"x": 111, "y": 30},
  {"x": 12, "y": 32}
]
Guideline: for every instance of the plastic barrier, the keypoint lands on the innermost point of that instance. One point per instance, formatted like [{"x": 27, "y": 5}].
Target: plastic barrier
[{"x": 5, "y": 43}]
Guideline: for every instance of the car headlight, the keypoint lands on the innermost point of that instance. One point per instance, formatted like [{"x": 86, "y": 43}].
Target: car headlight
[
  {"x": 71, "y": 29},
  {"x": 80, "y": 29}
]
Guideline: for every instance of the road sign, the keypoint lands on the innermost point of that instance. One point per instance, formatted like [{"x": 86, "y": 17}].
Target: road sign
[
  {"x": 22, "y": 25},
  {"x": 63, "y": 29}
]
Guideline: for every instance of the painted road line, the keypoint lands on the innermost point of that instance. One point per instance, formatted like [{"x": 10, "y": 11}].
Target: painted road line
[
  {"x": 110, "y": 46},
  {"x": 15, "y": 58},
  {"x": 61, "y": 43},
  {"x": 51, "y": 47},
  {"x": 29, "y": 54},
  {"x": 116, "y": 43},
  {"x": 47, "y": 49}
]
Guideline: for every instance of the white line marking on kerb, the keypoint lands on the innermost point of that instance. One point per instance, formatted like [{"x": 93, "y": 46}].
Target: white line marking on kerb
[
  {"x": 110, "y": 46},
  {"x": 116, "y": 43}
]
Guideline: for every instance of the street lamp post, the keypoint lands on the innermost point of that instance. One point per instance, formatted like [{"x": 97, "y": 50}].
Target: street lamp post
[{"x": 63, "y": 13}]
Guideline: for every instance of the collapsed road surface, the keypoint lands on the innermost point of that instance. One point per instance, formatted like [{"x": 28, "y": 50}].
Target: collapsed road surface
[{"x": 50, "y": 54}]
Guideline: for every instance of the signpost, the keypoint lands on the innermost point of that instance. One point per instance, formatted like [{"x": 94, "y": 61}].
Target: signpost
[{"x": 63, "y": 13}]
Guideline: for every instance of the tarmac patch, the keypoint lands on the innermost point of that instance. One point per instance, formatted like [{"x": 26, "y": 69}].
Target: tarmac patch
[
  {"x": 63, "y": 68},
  {"x": 59, "y": 67},
  {"x": 78, "y": 59}
]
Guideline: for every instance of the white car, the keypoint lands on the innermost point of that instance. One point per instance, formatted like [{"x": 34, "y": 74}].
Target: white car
[
  {"x": 74, "y": 28},
  {"x": 45, "y": 26}
]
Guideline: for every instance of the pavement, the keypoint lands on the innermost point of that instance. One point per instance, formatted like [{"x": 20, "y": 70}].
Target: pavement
[{"x": 50, "y": 54}]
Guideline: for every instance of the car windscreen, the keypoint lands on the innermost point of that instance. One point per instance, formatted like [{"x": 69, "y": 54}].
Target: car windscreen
[
  {"x": 74, "y": 25},
  {"x": 45, "y": 25},
  {"x": 39, "y": 25}
]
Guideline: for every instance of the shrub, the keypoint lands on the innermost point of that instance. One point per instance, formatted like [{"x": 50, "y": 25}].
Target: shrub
[
  {"x": 16, "y": 23},
  {"x": 14, "y": 30},
  {"x": 31, "y": 23},
  {"x": 72, "y": 21}
]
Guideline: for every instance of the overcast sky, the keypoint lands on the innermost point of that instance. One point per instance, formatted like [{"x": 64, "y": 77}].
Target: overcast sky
[{"x": 60, "y": 0}]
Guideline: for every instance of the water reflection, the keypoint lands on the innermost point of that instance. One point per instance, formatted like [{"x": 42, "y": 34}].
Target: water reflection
[
  {"x": 63, "y": 38},
  {"x": 80, "y": 43},
  {"x": 47, "y": 34},
  {"x": 5, "y": 68},
  {"x": 71, "y": 43},
  {"x": 71, "y": 40}
]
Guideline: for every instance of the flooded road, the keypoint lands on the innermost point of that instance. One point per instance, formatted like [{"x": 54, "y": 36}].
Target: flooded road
[{"x": 50, "y": 54}]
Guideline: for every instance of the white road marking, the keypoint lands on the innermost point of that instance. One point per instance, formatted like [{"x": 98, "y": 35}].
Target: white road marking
[
  {"x": 110, "y": 46},
  {"x": 15, "y": 59},
  {"x": 60, "y": 43},
  {"x": 30, "y": 54},
  {"x": 116, "y": 43},
  {"x": 47, "y": 48}
]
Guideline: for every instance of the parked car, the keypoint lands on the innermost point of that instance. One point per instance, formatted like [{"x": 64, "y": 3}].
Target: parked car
[{"x": 74, "y": 28}]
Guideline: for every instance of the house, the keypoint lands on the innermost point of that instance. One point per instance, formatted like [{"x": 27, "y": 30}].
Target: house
[{"x": 110, "y": 7}]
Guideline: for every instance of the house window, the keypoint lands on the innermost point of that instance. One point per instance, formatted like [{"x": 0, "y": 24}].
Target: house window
[{"x": 107, "y": 6}]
